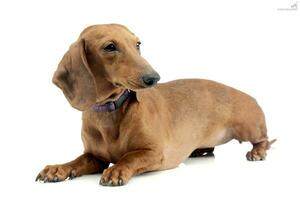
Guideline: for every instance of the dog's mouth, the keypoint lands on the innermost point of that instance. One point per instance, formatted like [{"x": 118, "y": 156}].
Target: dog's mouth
[
  {"x": 145, "y": 81},
  {"x": 131, "y": 85},
  {"x": 134, "y": 85}
]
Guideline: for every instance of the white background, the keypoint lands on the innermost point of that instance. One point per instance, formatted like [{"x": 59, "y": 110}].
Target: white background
[{"x": 249, "y": 45}]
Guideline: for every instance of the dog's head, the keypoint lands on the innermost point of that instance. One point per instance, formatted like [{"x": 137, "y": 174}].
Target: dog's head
[{"x": 105, "y": 58}]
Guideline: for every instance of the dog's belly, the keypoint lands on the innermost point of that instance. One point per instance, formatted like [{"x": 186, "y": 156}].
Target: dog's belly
[
  {"x": 218, "y": 137},
  {"x": 182, "y": 141},
  {"x": 179, "y": 149}
]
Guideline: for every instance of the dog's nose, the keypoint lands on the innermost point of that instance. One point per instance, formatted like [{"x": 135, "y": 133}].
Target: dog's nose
[{"x": 151, "y": 79}]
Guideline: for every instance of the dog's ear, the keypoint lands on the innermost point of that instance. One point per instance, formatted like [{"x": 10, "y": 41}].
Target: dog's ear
[{"x": 75, "y": 78}]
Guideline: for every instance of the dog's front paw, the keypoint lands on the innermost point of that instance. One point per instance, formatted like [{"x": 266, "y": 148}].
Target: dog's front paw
[
  {"x": 56, "y": 173},
  {"x": 116, "y": 175}
]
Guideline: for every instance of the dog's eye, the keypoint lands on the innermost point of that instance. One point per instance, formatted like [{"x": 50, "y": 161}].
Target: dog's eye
[
  {"x": 138, "y": 44},
  {"x": 110, "y": 48}
]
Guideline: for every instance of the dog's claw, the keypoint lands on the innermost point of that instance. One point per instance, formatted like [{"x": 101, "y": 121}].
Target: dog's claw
[
  {"x": 55, "y": 179},
  {"x": 72, "y": 175},
  {"x": 38, "y": 177},
  {"x": 45, "y": 179},
  {"x": 101, "y": 182},
  {"x": 120, "y": 182}
]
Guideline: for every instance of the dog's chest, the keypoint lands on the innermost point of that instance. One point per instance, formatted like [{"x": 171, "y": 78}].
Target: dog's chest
[
  {"x": 101, "y": 137},
  {"x": 103, "y": 143}
]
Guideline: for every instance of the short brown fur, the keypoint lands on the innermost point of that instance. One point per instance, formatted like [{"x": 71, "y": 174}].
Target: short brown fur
[{"x": 157, "y": 127}]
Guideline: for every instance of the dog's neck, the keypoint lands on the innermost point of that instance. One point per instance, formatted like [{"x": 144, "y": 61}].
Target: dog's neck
[{"x": 112, "y": 105}]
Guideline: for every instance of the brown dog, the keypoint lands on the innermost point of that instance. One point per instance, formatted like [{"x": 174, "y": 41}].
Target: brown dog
[{"x": 139, "y": 129}]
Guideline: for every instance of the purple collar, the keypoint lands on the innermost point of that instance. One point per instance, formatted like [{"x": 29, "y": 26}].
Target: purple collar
[{"x": 112, "y": 105}]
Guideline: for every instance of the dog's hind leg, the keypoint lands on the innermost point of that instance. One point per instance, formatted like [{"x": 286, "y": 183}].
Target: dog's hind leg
[
  {"x": 257, "y": 135},
  {"x": 202, "y": 152},
  {"x": 258, "y": 151}
]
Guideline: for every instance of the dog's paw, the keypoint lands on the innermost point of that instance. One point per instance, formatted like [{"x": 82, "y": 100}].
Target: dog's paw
[
  {"x": 256, "y": 155},
  {"x": 56, "y": 173},
  {"x": 116, "y": 175}
]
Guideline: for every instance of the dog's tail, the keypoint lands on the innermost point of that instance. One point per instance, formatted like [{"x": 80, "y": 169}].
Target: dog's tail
[{"x": 270, "y": 143}]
